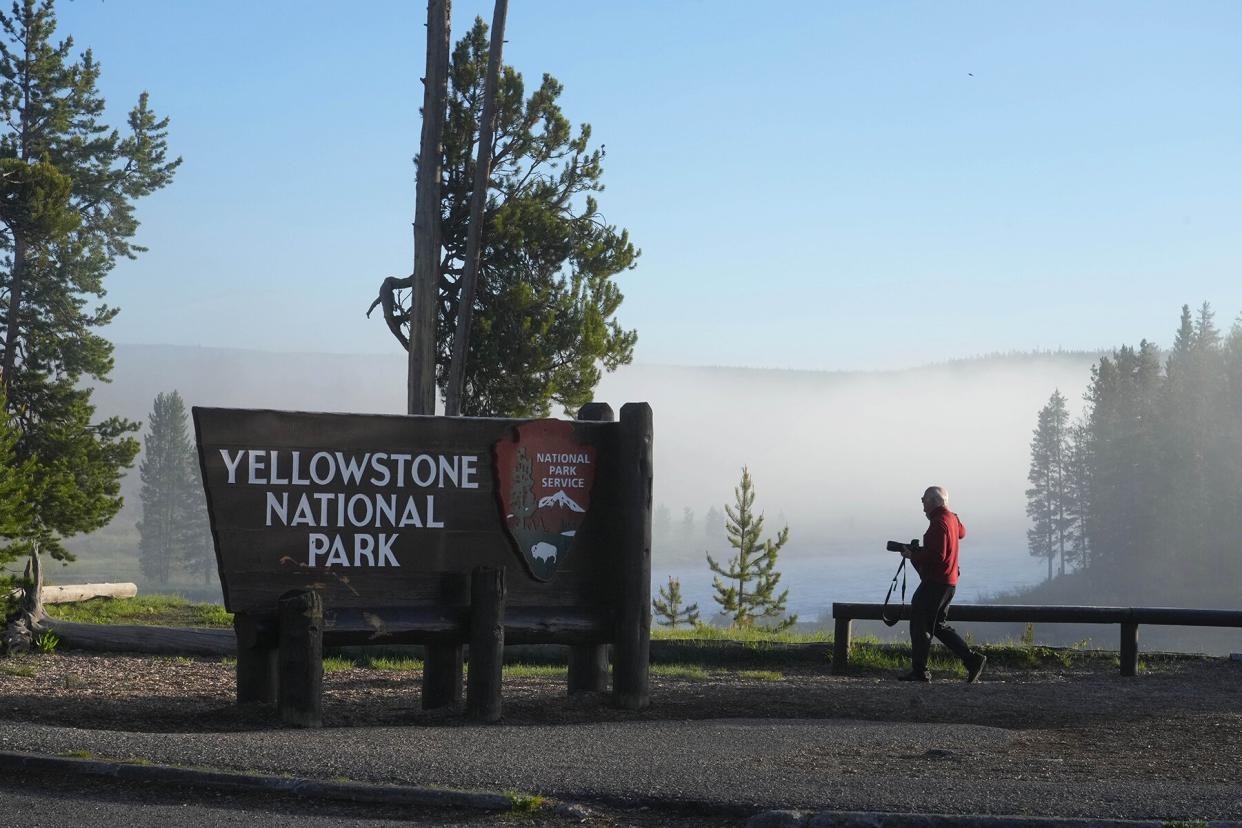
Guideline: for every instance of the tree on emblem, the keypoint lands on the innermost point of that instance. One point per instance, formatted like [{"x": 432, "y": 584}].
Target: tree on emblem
[{"x": 522, "y": 494}]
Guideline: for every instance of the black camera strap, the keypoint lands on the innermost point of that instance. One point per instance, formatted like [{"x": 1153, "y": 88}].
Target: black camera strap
[{"x": 900, "y": 573}]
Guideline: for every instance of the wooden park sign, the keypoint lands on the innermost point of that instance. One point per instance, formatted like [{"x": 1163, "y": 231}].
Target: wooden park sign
[{"x": 376, "y": 529}]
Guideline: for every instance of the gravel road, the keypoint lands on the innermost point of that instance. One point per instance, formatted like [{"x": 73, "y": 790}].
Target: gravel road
[{"x": 1164, "y": 745}]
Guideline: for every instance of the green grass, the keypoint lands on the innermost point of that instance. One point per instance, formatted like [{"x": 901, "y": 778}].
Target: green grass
[
  {"x": 520, "y": 803},
  {"x": 684, "y": 671},
  {"x": 533, "y": 671},
  {"x": 395, "y": 663},
  {"x": 333, "y": 664},
  {"x": 77, "y": 754},
  {"x": 749, "y": 635},
  {"x": 14, "y": 670},
  {"x": 761, "y": 675},
  {"x": 147, "y": 609}
]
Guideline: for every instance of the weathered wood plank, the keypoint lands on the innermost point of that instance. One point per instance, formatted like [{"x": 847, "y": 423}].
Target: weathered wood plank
[
  {"x": 630, "y": 680},
  {"x": 588, "y": 663}
]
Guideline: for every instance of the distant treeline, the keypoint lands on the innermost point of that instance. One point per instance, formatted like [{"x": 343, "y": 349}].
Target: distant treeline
[{"x": 1143, "y": 493}]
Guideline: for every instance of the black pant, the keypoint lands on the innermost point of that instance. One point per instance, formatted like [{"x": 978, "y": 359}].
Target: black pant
[{"x": 928, "y": 609}]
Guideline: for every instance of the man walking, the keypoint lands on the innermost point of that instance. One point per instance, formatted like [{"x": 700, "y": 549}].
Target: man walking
[{"x": 936, "y": 562}]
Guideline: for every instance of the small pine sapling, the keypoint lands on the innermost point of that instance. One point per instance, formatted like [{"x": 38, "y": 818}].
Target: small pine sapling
[
  {"x": 748, "y": 592},
  {"x": 668, "y": 608}
]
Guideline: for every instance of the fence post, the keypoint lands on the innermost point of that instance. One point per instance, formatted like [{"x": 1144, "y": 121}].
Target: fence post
[
  {"x": 300, "y": 687},
  {"x": 841, "y": 646},
  {"x": 256, "y": 663},
  {"x": 588, "y": 663},
  {"x": 630, "y": 678},
  {"x": 1129, "y": 648},
  {"x": 487, "y": 643}
]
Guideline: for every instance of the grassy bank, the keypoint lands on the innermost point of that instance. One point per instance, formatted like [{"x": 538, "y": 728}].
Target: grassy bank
[{"x": 693, "y": 650}]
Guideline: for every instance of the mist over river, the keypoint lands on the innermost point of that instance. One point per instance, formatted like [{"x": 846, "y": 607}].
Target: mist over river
[{"x": 815, "y": 582}]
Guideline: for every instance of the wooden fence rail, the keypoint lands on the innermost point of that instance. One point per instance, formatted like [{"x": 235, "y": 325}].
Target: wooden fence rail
[{"x": 844, "y": 614}]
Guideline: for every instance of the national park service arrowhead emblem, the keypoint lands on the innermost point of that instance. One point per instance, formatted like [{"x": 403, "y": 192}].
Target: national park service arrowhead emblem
[{"x": 544, "y": 482}]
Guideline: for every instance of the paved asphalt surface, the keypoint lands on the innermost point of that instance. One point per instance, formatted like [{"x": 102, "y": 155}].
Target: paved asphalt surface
[
  {"x": 738, "y": 762},
  {"x": 40, "y": 801}
]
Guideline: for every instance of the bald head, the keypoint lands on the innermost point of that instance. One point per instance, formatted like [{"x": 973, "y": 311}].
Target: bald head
[{"x": 934, "y": 498}]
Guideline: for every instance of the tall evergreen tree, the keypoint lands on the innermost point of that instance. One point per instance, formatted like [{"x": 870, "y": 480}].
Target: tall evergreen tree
[
  {"x": 18, "y": 480},
  {"x": 1155, "y": 468},
  {"x": 193, "y": 533},
  {"x": 662, "y": 523},
  {"x": 668, "y": 606},
  {"x": 687, "y": 525},
  {"x": 68, "y": 183},
  {"x": 1078, "y": 468},
  {"x": 1048, "y": 501},
  {"x": 748, "y": 592},
  {"x": 714, "y": 523},
  {"x": 169, "y": 516}
]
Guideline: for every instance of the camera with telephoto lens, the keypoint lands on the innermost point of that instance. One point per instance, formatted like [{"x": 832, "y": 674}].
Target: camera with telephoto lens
[{"x": 898, "y": 546}]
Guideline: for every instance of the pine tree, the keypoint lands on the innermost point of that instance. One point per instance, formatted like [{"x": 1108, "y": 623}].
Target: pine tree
[
  {"x": 1049, "y": 504},
  {"x": 1078, "y": 488},
  {"x": 748, "y": 592},
  {"x": 168, "y": 490},
  {"x": 17, "y": 498},
  {"x": 544, "y": 325},
  {"x": 194, "y": 543},
  {"x": 714, "y": 524},
  {"x": 662, "y": 523},
  {"x": 68, "y": 184},
  {"x": 668, "y": 608},
  {"x": 687, "y": 526}
]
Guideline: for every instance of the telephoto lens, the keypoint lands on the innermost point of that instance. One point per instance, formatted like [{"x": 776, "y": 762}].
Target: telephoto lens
[{"x": 894, "y": 546}]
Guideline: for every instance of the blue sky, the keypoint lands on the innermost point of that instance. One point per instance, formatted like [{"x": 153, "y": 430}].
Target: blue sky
[{"x": 813, "y": 185}]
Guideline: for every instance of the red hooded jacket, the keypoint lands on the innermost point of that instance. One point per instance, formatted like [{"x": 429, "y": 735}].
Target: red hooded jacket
[{"x": 936, "y": 559}]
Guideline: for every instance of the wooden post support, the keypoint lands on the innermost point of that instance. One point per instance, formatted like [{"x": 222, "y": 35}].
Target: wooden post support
[
  {"x": 841, "y": 646},
  {"x": 442, "y": 674},
  {"x": 588, "y": 663},
  {"x": 1129, "y": 648},
  {"x": 300, "y": 685},
  {"x": 630, "y": 687},
  {"x": 588, "y": 668},
  {"x": 256, "y": 663},
  {"x": 487, "y": 643}
]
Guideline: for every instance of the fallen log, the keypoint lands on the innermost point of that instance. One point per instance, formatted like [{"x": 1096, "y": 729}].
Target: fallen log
[
  {"x": 71, "y": 593},
  {"x": 136, "y": 638}
]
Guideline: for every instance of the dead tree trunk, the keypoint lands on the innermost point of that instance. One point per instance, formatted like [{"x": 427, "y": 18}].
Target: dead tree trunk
[
  {"x": 424, "y": 298},
  {"x": 478, "y": 200},
  {"x": 27, "y": 620}
]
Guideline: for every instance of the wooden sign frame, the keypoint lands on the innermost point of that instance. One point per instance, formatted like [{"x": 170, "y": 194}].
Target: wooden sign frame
[{"x": 384, "y": 519}]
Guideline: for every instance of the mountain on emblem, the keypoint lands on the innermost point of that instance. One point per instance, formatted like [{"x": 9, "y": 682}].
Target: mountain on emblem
[
  {"x": 560, "y": 499},
  {"x": 544, "y": 480}
]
